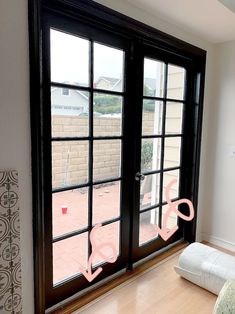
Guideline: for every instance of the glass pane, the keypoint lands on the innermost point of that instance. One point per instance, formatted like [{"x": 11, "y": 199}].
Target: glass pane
[
  {"x": 149, "y": 191},
  {"x": 176, "y": 82},
  {"x": 106, "y": 201},
  {"x": 107, "y": 159},
  {"x": 172, "y": 220},
  {"x": 150, "y": 154},
  {"x": 107, "y": 115},
  {"x": 154, "y": 72},
  {"x": 70, "y": 112},
  {"x": 69, "y": 59},
  {"x": 68, "y": 256},
  {"x": 172, "y": 152},
  {"x": 152, "y": 117},
  {"x": 69, "y": 163},
  {"x": 168, "y": 176},
  {"x": 108, "y": 68},
  {"x": 174, "y": 118},
  {"x": 148, "y": 226},
  {"x": 108, "y": 234},
  {"x": 70, "y": 211}
]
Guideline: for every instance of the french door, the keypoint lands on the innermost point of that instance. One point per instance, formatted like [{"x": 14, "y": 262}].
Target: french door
[
  {"x": 161, "y": 146},
  {"x": 117, "y": 116},
  {"x": 85, "y": 158}
]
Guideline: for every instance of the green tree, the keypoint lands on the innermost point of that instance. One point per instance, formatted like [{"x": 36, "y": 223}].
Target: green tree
[
  {"x": 146, "y": 155},
  {"x": 107, "y": 104}
]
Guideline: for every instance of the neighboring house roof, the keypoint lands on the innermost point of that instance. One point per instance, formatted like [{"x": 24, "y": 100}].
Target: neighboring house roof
[
  {"x": 110, "y": 80},
  {"x": 77, "y": 91},
  {"x": 150, "y": 82}
]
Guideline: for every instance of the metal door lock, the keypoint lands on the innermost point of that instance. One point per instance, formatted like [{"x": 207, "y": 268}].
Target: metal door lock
[{"x": 139, "y": 176}]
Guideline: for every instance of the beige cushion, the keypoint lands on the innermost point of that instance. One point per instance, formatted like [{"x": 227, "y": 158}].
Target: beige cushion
[{"x": 225, "y": 303}]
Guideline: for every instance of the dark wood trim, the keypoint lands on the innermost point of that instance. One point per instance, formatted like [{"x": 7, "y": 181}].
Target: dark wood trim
[
  {"x": 34, "y": 20},
  {"x": 92, "y": 10},
  {"x": 190, "y": 229}
]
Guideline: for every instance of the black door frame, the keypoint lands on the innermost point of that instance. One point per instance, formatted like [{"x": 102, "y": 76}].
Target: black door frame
[
  {"x": 87, "y": 11},
  {"x": 187, "y": 147}
]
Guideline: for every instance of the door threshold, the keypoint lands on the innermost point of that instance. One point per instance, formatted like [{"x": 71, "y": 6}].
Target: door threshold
[{"x": 123, "y": 277}]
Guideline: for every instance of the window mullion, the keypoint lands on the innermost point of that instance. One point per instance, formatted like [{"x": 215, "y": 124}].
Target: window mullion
[
  {"x": 163, "y": 146},
  {"x": 90, "y": 199}
]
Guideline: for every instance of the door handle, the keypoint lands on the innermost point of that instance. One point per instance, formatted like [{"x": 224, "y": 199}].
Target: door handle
[{"x": 139, "y": 176}]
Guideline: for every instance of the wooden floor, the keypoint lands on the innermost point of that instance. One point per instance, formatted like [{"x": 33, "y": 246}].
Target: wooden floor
[{"x": 159, "y": 290}]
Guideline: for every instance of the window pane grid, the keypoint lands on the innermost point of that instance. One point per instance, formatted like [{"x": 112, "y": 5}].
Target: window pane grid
[
  {"x": 91, "y": 147},
  {"x": 171, "y": 136},
  {"x": 176, "y": 82},
  {"x": 165, "y": 98},
  {"x": 83, "y": 230},
  {"x": 174, "y": 118},
  {"x": 158, "y": 205},
  {"x": 91, "y": 138},
  {"x": 157, "y": 214},
  {"x": 168, "y": 176},
  {"x": 161, "y": 136},
  {"x": 160, "y": 171},
  {"x": 88, "y": 89},
  {"x": 62, "y": 139},
  {"x": 103, "y": 195}
]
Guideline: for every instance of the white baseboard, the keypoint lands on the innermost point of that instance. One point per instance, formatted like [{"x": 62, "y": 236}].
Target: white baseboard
[
  {"x": 218, "y": 241},
  {"x": 199, "y": 237}
]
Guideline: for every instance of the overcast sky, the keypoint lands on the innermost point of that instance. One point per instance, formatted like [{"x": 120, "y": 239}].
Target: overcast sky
[{"x": 69, "y": 60}]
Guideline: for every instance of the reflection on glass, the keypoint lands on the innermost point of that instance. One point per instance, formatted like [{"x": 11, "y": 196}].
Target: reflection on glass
[
  {"x": 107, "y": 159},
  {"x": 150, "y": 154},
  {"x": 69, "y": 256},
  {"x": 176, "y": 82},
  {"x": 149, "y": 191},
  {"x": 69, "y": 163},
  {"x": 172, "y": 152},
  {"x": 106, "y": 201},
  {"x": 69, "y": 59},
  {"x": 152, "y": 117},
  {"x": 174, "y": 118},
  {"x": 153, "y": 78},
  {"x": 70, "y": 112},
  {"x": 105, "y": 235},
  {"x": 168, "y": 176},
  {"x": 108, "y": 68},
  {"x": 107, "y": 115},
  {"x": 69, "y": 211},
  {"x": 148, "y": 226}
]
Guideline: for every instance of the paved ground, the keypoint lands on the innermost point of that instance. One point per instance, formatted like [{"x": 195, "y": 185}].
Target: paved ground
[{"x": 69, "y": 254}]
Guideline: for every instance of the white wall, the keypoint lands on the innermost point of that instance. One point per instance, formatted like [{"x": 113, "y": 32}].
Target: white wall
[
  {"x": 219, "y": 216},
  {"x": 15, "y": 123},
  {"x": 15, "y": 119}
]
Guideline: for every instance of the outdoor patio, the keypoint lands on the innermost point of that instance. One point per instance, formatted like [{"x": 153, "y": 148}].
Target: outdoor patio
[{"x": 70, "y": 254}]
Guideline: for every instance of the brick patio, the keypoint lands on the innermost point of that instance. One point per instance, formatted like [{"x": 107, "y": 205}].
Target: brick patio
[{"x": 70, "y": 253}]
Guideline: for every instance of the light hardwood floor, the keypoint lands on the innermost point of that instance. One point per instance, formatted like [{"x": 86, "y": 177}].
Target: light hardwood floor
[{"x": 159, "y": 290}]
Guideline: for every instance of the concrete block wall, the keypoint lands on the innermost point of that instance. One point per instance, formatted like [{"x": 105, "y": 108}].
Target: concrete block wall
[{"x": 70, "y": 159}]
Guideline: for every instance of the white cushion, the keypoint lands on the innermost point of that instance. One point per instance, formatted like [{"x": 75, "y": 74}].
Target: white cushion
[{"x": 206, "y": 266}]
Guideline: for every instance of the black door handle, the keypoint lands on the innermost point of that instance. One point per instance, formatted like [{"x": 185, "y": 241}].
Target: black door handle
[{"x": 139, "y": 176}]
